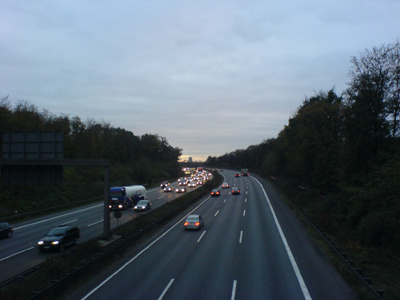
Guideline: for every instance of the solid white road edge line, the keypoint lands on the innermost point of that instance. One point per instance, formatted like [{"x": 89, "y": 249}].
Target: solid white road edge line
[
  {"x": 302, "y": 284},
  {"x": 141, "y": 252}
]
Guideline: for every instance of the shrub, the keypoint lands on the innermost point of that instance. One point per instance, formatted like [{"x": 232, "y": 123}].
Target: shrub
[{"x": 379, "y": 229}]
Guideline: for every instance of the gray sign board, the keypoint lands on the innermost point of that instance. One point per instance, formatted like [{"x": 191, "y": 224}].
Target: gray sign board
[
  {"x": 30, "y": 157},
  {"x": 33, "y": 146}
]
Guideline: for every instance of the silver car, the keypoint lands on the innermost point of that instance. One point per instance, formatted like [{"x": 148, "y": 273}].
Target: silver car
[
  {"x": 194, "y": 222},
  {"x": 142, "y": 205}
]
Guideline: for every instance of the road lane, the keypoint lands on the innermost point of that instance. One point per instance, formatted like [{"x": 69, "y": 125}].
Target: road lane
[
  {"x": 201, "y": 265},
  {"x": 20, "y": 252},
  {"x": 240, "y": 254}
]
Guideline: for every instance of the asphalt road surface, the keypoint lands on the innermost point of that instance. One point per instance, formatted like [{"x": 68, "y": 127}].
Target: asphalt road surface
[
  {"x": 20, "y": 252},
  {"x": 251, "y": 247}
]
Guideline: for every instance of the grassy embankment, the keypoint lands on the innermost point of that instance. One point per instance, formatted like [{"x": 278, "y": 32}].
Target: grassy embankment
[{"x": 381, "y": 264}]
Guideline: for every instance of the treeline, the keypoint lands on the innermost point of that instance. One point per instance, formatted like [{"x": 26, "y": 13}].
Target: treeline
[
  {"x": 134, "y": 159},
  {"x": 346, "y": 147}
]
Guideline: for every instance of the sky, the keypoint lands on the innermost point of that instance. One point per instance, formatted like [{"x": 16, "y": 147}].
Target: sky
[{"x": 211, "y": 77}]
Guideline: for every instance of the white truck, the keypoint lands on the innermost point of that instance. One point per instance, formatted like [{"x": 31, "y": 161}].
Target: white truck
[{"x": 122, "y": 197}]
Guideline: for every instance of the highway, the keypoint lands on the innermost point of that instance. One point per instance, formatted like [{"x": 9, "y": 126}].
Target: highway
[
  {"x": 20, "y": 252},
  {"x": 251, "y": 247}
]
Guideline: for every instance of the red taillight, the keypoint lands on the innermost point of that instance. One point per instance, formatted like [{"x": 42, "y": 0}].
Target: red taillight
[
  {"x": 186, "y": 223},
  {"x": 197, "y": 223}
]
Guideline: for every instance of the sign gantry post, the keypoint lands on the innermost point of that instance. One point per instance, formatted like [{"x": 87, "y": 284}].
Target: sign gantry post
[{"x": 36, "y": 159}]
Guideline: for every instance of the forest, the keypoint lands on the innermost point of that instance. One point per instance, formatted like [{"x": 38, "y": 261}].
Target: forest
[
  {"x": 146, "y": 159},
  {"x": 343, "y": 151}
]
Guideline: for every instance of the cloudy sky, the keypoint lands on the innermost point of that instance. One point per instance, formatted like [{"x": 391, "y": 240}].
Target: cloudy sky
[{"x": 209, "y": 76}]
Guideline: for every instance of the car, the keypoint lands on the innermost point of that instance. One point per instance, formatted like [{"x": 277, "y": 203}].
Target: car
[
  {"x": 59, "y": 237},
  {"x": 194, "y": 222},
  {"x": 182, "y": 183},
  {"x": 192, "y": 183},
  {"x": 6, "y": 230},
  {"x": 168, "y": 189},
  {"x": 215, "y": 193},
  {"x": 237, "y": 175},
  {"x": 225, "y": 185},
  {"x": 181, "y": 189},
  {"x": 235, "y": 190},
  {"x": 164, "y": 184},
  {"x": 142, "y": 205}
]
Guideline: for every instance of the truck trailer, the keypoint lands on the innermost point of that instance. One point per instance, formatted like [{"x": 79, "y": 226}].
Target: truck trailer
[{"x": 122, "y": 197}]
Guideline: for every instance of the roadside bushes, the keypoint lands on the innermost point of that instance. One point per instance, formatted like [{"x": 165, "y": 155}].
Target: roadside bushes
[{"x": 379, "y": 229}]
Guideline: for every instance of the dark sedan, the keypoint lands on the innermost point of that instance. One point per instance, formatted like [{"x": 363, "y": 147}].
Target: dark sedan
[
  {"x": 235, "y": 191},
  {"x": 164, "y": 184},
  {"x": 59, "y": 237},
  {"x": 215, "y": 193},
  {"x": 6, "y": 230}
]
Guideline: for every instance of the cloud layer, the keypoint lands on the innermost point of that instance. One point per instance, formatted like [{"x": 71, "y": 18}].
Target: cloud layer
[{"x": 210, "y": 76}]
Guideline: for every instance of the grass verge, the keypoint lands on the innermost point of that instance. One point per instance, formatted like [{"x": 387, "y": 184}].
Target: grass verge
[{"x": 381, "y": 265}]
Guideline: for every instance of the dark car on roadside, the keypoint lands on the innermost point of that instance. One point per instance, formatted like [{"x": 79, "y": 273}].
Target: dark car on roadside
[
  {"x": 60, "y": 237},
  {"x": 6, "y": 230}
]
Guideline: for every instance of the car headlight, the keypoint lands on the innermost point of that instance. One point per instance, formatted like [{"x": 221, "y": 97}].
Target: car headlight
[
  {"x": 55, "y": 243},
  {"x": 120, "y": 206},
  {"x": 40, "y": 243}
]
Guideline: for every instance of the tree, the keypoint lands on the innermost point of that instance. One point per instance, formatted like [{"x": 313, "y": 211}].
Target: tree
[
  {"x": 5, "y": 114},
  {"x": 394, "y": 91},
  {"x": 372, "y": 109},
  {"x": 311, "y": 141}
]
